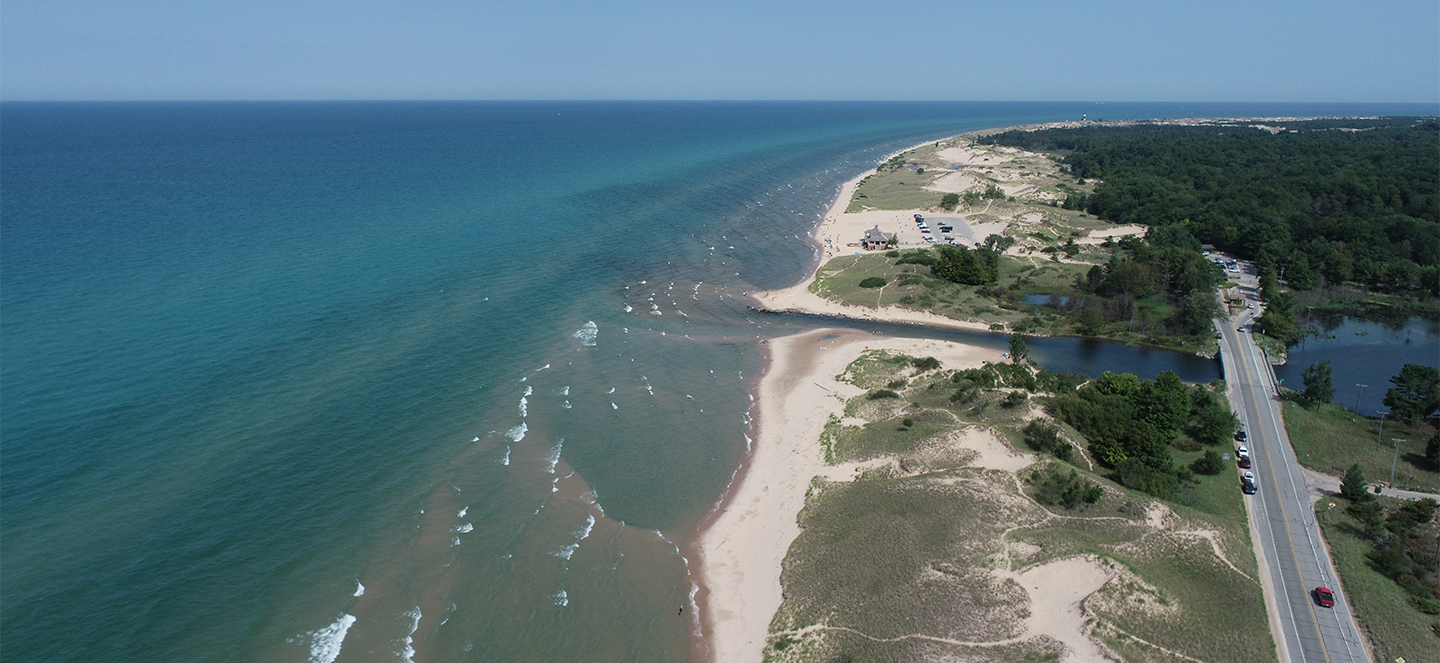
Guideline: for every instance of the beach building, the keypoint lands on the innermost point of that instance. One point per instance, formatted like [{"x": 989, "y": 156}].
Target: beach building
[{"x": 875, "y": 240}]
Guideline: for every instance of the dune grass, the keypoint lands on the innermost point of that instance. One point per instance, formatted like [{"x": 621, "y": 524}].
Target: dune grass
[{"x": 901, "y": 555}]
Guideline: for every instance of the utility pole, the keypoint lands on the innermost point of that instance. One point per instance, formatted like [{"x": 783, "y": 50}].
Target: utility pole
[
  {"x": 1392, "y": 461},
  {"x": 1357, "y": 395},
  {"x": 1382, "y": 429}
]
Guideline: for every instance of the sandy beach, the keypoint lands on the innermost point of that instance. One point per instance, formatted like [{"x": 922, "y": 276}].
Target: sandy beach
[{"x": 742, "y": 550}]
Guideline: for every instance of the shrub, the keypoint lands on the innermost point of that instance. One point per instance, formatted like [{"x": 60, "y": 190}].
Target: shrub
[
  {"x": 897, "y": 384},
  {"x": 873, "y": 282},
  {"x": 892, "y": 254},
  {"x": 926, "y": 364},
  {"x": 1054, "y": 486},
  {"x": 1016, "y": 399},
  {"x": 907, "y": 422},
  {"x": 1210, "y": 463},
  {"x": 950, "y": 200},
  {"x": 882, "y": 393}
]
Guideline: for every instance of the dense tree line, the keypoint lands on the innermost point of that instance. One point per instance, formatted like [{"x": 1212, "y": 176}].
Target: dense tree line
[
  {"x": 1130, "y": 423},
  {"x": 1325, "y": 201}
]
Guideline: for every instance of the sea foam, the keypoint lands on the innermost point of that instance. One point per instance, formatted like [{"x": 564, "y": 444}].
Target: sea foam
[
  {"x": 587, "y": 333},
  {"x": 554, "y": 457},
  {"x": 407, "y": 650},
  {"x": 325, "y": 643},
  {"x": 359, "y": 588},
  {"x": 517, "y": 433}
]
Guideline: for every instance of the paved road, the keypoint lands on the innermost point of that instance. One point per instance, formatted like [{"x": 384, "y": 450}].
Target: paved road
[{"x": 1289, "y": 538}]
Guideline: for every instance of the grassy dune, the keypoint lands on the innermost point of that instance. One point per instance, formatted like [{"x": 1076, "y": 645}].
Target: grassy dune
[{"x": 913, "y": 560}]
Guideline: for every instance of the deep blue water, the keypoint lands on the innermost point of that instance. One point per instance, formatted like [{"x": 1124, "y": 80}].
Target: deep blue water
[{"x": 256, "y": 355}]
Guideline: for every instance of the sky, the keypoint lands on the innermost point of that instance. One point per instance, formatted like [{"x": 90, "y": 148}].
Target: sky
[{"x": 1017, "y": 50}]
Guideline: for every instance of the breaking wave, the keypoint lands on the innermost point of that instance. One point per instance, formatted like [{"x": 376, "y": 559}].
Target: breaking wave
[{"x": 587, "y": 334}]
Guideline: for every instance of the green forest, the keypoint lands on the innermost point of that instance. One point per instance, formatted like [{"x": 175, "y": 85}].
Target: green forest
[{"x": 1321, "y": 202}]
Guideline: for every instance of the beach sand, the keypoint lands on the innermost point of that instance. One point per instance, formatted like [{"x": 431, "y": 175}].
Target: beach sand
[{"x": 744, "y": 546}]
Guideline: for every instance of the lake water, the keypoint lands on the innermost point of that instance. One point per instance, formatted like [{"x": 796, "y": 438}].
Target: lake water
[
  {"x": 408, "y": 381},
  {"x": 1363, "y": 352}
]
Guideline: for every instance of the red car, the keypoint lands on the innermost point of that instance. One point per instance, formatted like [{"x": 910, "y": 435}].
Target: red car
[
  {"x": 1325, "y": 597},
  {"x": 1245, "y": 462}
]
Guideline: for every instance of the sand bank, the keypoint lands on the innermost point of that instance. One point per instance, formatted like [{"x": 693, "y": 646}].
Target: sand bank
[{"x": 743, "y": 548}]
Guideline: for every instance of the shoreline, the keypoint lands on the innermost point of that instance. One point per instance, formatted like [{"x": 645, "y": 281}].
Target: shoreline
[
  {"x": 741, "y": 546},
  {"x": 740, "y": 553}
]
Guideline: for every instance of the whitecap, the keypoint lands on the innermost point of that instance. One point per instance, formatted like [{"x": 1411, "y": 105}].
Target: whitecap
[
  {"x": 524, "y": 411},
  {"x": 477, "y": 439},
  {"x": 613, "y": 406},
  {"x": 506, "y": 459},
  {"x": 463, "y": 512},
  {"x": 455, "y": 541},
  {"x": 529, "y": 390},
  {"x": 542, "y": 368},
  {"x": 628, "y": 308},
  {"x": 359, "y": 588},
  {"x": 554, "y": 456},
  {"x": 561, "y": 598},
  {"x": 565, "y": 390},
  {"x": 587, "y": 333},
  {"x": 565, "y": 551},
  {"x": 407, "y": 652},
  {"x": 325, "y": 643},
  {"x": 612, "y": 390},
  {"x": 565, "y": 405},
  {"x": 748, "y": 442},
  {"x": 584, "y": 532},
  {"x": 517, "y": 433},
  {"x": 463, "y": 528}
]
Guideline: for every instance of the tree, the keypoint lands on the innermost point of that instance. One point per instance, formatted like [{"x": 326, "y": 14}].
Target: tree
[
  {"x": 1318, "y": 387},
  {"x": 1216, "y": 422},
  {"x": 963, "y": 265},
  {"x": 950, "y": 200},
  {"x": 1353, "y": 487},
  {"x": 1432, "y": 450},
  {"x": 1416, "y": 392},
  {"x": 1091, "y": 321},
  {"x": 998, "y": 243},
  {"x": 1018, "y": 351},
  {"x": 1200, "y": 310}
]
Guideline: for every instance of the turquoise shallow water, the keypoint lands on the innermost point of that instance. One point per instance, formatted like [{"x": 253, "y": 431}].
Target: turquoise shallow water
[{"x": 484, "y": 360}]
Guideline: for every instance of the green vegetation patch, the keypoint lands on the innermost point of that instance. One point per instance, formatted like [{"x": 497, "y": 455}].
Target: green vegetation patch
[
  {"x": 1331, "y": 438},
  {"x": 1382, "y": 607},
  {"x": 913, "y": 548}
]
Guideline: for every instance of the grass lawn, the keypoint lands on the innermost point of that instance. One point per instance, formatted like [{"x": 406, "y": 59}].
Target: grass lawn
[
  {"x": 1331, "y": 439},
  {"x": 1393, "y": 626}
]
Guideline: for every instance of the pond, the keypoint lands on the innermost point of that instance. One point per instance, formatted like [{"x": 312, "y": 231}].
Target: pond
[{"x": 1363, "y": 352}]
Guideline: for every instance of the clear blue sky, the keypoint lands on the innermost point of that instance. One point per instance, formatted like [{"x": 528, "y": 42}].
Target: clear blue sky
[{"x": 1316, "y": 50}]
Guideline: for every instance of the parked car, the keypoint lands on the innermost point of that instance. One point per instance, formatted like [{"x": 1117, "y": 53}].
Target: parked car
[
  {"x": 1243, "y": 451},
  {"x": 1244, "y": 461},
  {"x": 1247, "y": 483},
  {"x": 1240, "y": 436},
  {"x": 1324, "y": 596},
  {"x": 947, "y": 229}
]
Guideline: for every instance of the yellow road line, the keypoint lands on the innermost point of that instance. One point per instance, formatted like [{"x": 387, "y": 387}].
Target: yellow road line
[{"x": 1270, "y": 467}]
